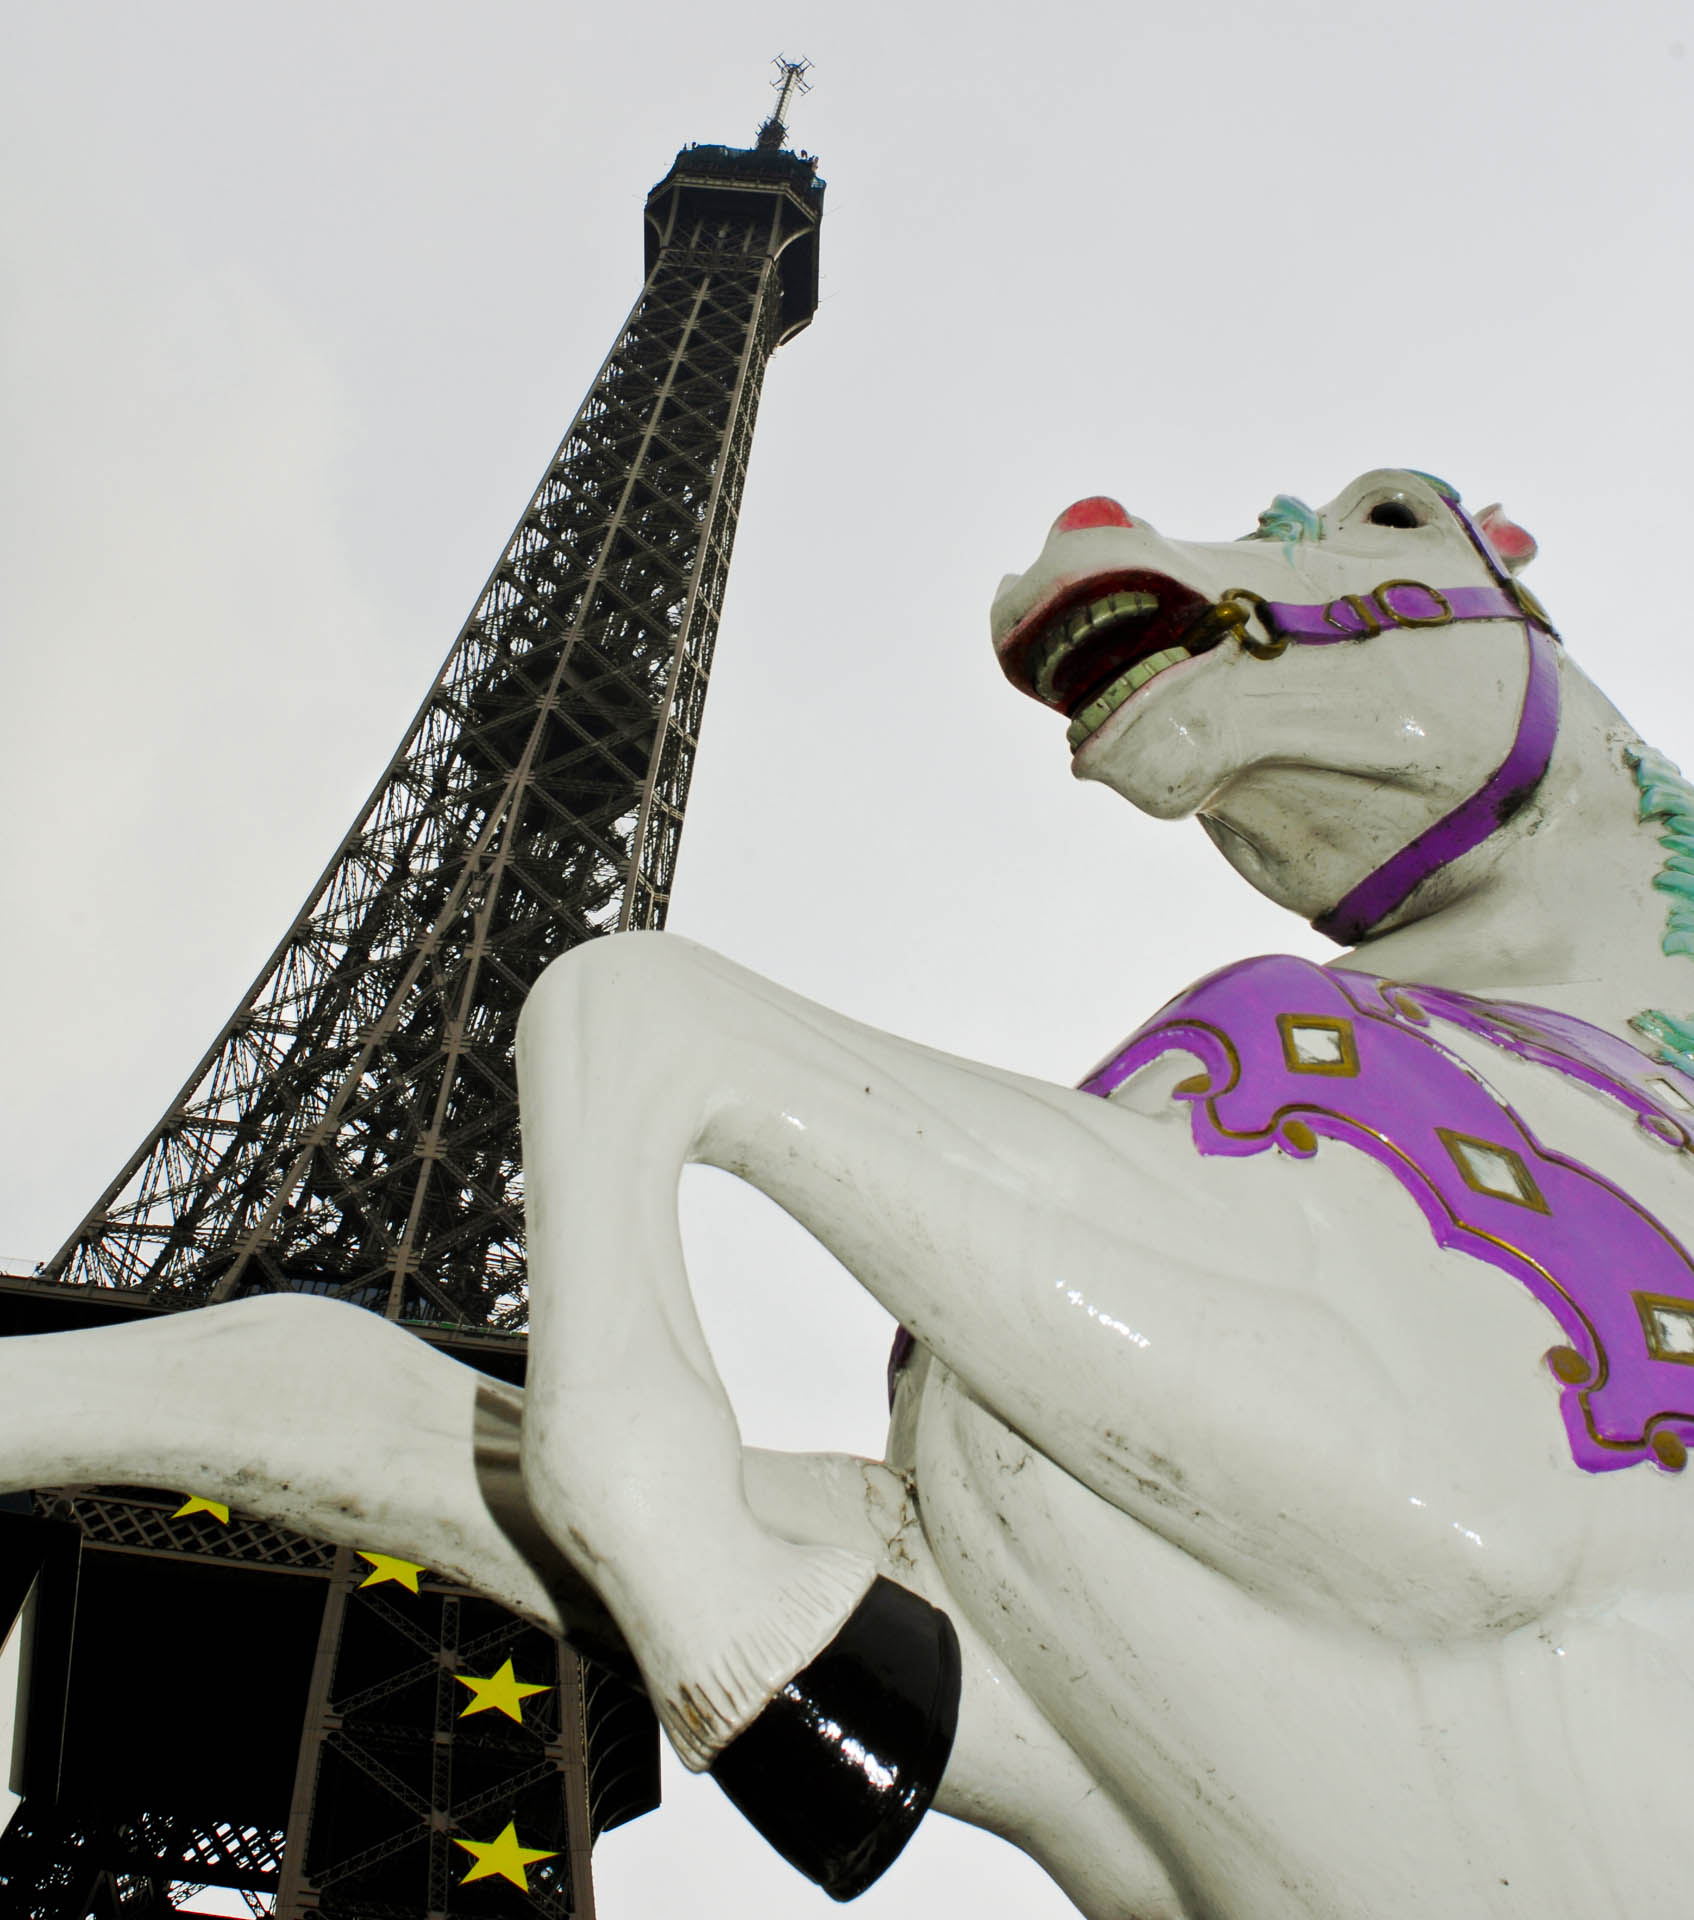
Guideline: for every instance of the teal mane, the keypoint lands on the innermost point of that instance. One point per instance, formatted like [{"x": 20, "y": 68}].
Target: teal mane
[
  {"x": 1667, "y": 797},
  {"x": 1288, "y": 521}
]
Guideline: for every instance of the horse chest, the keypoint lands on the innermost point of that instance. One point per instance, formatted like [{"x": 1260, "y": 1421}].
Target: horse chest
[
  {"x": 1498, "y": 1658},
  {"x": 1300, "y": 1762}
]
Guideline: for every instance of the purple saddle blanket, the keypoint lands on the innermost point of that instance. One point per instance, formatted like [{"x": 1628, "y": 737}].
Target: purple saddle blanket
[{"x": 1292, "y": 1053}]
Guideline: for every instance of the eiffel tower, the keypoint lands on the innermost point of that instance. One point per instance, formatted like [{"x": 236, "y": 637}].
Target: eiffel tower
[{"x": 353, "y": 1131}]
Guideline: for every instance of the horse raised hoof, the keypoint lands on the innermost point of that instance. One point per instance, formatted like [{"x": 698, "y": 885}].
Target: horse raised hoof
[{"x": 837, "y": 1771}]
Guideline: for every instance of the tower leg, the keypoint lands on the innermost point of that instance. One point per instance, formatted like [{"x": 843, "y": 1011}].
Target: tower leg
[{"x": 295, "y": 1898}]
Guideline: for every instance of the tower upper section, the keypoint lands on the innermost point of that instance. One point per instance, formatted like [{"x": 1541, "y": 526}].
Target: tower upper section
[
  {"x": 746, "y": 201},
  {"x": 354, "y": 1128}
]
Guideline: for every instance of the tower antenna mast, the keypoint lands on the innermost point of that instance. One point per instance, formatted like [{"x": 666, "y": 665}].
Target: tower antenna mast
[{"x": 790, "y": 83}]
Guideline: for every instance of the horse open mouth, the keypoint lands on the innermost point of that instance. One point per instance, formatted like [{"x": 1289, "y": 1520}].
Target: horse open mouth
[{"x": 1106, "y": 639}]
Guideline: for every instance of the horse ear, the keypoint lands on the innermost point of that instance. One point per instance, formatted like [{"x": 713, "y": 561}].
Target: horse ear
[{"x": 1514, "y": 548}]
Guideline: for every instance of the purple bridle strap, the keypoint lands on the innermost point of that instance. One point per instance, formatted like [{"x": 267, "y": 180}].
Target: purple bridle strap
[
  {"x": 1400, "y": 603},
  {"x": 1473, "y": 820}
]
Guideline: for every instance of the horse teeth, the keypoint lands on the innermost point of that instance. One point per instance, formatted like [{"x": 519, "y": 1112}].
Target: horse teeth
[
  {"x": 1129, "y": 604},
  {"x": 1104, "y": 704}
]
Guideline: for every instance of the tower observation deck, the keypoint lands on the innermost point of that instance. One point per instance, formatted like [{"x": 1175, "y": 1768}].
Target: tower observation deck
[{"x": 352, "y": 1131}]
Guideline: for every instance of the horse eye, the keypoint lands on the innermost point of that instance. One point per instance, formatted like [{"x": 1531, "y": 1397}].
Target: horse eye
[{"x": 1393, "y": 513}]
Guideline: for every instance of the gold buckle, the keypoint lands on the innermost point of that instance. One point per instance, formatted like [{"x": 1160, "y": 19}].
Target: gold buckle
[
  {"x": 1360, "y": 603},
  {"x": 1414, "y": 619}
]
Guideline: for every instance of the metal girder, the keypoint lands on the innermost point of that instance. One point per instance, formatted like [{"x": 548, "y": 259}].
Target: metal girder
[
  {"x": 390, "y": 1775},
  {"x": 375, "y": 1736},
  {"x": 131, "y": 1867}
]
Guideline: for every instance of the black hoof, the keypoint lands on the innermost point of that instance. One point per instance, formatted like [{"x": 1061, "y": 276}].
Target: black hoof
[{"x": 839, "y": 1769}]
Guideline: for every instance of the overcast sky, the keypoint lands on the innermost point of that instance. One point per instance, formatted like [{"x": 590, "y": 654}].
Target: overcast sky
[{"x": 299, "y": 301}]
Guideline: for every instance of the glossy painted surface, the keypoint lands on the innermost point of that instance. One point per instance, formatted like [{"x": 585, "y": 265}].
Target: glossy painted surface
[
  {"x": 1277, "y": 1587},
  {"x": 1295, "y": 1054}
]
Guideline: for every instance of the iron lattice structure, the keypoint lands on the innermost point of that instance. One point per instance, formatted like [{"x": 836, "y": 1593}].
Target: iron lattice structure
[
  {"x": 353, "y": 1131},
  {"x": 353, "y": 1128}
]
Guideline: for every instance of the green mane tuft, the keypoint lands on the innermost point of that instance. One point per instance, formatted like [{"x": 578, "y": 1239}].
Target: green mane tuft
[{"x": 1666, "y": 796}]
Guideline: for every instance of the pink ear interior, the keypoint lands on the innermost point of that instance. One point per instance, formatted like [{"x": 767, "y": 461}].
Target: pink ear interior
[{"x": 1515, "y": 547}]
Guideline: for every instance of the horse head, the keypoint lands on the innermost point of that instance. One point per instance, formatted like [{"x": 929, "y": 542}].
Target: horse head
[{"x": 1325, "y": 693}]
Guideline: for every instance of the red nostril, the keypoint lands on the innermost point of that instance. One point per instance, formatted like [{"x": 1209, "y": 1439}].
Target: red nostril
[{"x": 1096, "y": 511}]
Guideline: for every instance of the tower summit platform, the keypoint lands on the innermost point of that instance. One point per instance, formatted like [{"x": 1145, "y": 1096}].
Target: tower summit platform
[{"x": 712, "y": 192}]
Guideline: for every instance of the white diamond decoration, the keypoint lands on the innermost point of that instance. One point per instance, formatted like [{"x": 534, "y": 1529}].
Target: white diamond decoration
[
  {"x": 1673, "y": 1330},
  {"x": 1316, "y": 1046},
  {"x": 1492, "y": 1170},
  {"x": 1671, "y": 1096}
]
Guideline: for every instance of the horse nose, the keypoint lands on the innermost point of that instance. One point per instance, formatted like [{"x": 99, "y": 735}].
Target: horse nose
[{"x": 1098, "y": 510}]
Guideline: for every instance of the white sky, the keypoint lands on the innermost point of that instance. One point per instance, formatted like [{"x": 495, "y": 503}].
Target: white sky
[{"x": 299, "y": 301}]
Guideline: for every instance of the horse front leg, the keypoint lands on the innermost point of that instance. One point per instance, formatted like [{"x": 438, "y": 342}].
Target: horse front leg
[
  {"x": 632, "y": 1454},
  {"x": 636, "y": 1056},
  {"x": 822, "y": 1696},
  {"x": 969, "y": 1201},
  {"x": 1102, "y": 1290}
]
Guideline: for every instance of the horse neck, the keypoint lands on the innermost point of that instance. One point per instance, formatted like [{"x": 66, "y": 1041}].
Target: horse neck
[{"x": 1560, "y": 906}]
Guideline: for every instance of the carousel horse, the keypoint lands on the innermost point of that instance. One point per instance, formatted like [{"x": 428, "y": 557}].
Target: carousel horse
[{"x": 1288, "y": 1422}]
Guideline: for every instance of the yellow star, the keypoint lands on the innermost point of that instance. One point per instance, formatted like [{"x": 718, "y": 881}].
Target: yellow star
[
  {"x": 194, "y": 1504},
  {"x": 384, "y": 1566},
  {"x": 502, "y": 1856},
  {"x": 502, "y": 1691}
]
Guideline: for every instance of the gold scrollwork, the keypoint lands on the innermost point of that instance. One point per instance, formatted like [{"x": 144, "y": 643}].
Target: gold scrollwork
[
  {"x": 1661, "y": 1127},
  {"x": 1566, "y": 1364}
]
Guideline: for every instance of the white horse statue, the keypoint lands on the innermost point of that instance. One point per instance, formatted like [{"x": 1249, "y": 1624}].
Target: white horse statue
[{"x": 1279, "y": 1512}]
